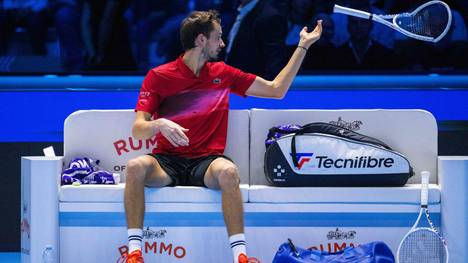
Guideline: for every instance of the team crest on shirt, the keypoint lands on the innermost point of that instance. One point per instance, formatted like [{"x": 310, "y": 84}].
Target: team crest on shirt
[{"x": 217, "y": 81}]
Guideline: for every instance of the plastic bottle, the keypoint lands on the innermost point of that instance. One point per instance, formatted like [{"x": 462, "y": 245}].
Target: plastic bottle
[{"x": 48, "y": 255}]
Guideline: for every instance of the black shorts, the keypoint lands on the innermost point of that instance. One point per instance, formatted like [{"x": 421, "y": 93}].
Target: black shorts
[{"x": 186, "y": 171}]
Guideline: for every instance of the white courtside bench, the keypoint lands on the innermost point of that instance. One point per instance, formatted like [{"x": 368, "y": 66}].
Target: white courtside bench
[{"x": 185, "y": 224}]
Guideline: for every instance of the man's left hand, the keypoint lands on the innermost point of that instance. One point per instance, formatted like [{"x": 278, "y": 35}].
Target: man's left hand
[{"x": 307, "y": 39}]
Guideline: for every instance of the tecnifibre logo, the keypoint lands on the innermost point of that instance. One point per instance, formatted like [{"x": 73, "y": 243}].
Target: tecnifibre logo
[
  {"x": 321, "y": 161},
  {"x": 356, "y": 162},
  {"x": 303, "y": 158}
]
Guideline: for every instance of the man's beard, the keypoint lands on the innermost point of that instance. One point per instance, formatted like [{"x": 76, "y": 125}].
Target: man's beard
[{"x": 212, "y": 57}]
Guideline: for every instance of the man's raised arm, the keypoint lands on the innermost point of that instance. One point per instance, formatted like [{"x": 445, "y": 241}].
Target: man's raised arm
[{"x": 278, "y": 87}]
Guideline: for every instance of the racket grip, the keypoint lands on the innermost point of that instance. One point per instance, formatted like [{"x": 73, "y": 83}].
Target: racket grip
[
  {"x": 425, "y": 187},
  {"x": 351, "y": 12}
]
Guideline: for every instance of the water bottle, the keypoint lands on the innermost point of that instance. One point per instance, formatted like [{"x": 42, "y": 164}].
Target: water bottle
[{"x": 48, "y": 255}]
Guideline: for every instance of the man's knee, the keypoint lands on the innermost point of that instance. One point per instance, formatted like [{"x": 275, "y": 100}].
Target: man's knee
[
  {"x": 228, "y": 177},
  {"x": 136, "y": 170}
]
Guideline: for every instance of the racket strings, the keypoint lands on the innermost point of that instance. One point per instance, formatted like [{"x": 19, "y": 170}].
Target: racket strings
[
  {"x": 422, "y": 245},
  {"x": 430, "y": 21}
]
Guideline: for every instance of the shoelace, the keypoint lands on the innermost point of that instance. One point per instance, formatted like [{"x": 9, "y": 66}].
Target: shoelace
[
  {"x": 253, "y": 260},
  {"x": 123, "y": 258}
]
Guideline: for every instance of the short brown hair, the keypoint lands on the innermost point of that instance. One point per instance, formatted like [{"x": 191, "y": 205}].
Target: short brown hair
[{"x": 198, "y": 22}]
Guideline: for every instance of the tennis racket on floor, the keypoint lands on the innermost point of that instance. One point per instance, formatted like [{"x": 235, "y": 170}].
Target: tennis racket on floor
[
  {"x": 423, "y": 244},
  {"x": 429, "y": 22}
]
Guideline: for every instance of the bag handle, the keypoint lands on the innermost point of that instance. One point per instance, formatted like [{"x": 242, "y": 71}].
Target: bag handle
[
  {"x": 293, "y": 151},
  {"x": 293, "y": 248},
  {"x": 308, "y": 128}
]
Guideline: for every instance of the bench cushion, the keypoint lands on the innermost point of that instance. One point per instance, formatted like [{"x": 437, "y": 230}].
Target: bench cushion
[
  {"x": 115, "y": 194},
  {"x": 409, "y": 194}
]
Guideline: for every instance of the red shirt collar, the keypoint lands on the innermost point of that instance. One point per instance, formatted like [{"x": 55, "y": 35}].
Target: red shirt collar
[{"x": 188, "y": 72}]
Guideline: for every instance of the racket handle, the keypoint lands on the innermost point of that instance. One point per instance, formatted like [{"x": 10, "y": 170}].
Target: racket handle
[
  {"x": 425, "y": 187},
  {"x": 351, "y": 12}
]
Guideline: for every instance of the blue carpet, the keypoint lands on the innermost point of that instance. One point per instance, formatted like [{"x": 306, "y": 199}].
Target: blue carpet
[{"x": 10, "y": 257}]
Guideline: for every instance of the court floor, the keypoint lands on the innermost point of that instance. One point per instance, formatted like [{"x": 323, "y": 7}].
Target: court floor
[{"x": 9, "y": 257}]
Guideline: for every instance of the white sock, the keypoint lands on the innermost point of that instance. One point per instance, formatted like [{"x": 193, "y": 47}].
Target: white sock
[
  {"x": 135, "y": 236},
  {"x": 237, "y": 242}
]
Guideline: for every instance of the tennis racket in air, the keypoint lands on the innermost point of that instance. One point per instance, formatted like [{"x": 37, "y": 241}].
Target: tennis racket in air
[
  {"x": 429, "y": 22},
  {"x": 421, "y": 243}
]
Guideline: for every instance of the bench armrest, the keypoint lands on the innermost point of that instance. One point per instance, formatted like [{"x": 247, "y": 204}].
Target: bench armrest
[{"x": 40, "y": 181}]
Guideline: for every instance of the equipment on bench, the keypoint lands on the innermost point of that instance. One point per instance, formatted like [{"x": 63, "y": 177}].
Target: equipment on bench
[{"x": 323, "y": 154}]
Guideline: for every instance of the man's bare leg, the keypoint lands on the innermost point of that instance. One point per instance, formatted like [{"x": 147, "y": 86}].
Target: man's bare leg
[
  {"x": 223, "y": 174},
  {"x": 141, "y": 171}
]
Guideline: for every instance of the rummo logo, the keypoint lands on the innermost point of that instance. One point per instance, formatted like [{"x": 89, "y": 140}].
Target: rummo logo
[
  {"x": 155, "y": 248},
  {"x": 303, "y": 158},
  {"x": 161, "y": 247},
  {"x": 131, "y": 144},
  {"x": 332, "y": 247},
  {"x": 356, "y": 162},
  {"x": 337, "y": 241}
]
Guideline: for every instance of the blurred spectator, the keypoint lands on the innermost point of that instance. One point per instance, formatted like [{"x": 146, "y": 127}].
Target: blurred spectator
[
  {"x": 146, "y": 17},
  {"x": 363, "y": 53},
  {"x": 300, "y": 13},
  {"x": 167, "y": 37},
  {"x": 265, "y": 33},
  {"x": 322, "y": 55},
  {"x": 151, "y": 21},
  {"x": 385, "y": 6},
  {"x": 29, "y": 14},
  {"x": 380, "y": 33},
  {"x": 449, "y": 53},
  {"x": 256, "y": 41},
  {"x": 225, "y": 8},
  {"x": 66, "y": 15},
  {"x": 105, "y": 35}
]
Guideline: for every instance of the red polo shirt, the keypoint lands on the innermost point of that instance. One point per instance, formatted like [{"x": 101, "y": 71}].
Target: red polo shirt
[{"x": 200, "y": 104}]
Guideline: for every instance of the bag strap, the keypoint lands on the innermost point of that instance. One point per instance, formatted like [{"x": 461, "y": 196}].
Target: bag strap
[
  {"x": 293, "y": 151},
  {"x": 328, "y": 128},
  {"x": 293, "y": 248}
]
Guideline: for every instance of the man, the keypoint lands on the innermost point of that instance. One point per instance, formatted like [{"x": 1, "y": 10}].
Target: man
[
  {"x": 360, "y": 52},
  {"x": 185, "y": 104}
]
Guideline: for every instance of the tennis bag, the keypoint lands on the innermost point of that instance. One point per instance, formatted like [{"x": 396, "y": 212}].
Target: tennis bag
[
  {"x": 374, "y": 252},
  {"x": 323, "y": 154}
]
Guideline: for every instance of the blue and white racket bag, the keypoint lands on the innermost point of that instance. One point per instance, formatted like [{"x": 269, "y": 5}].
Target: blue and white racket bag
[{"x": 323, "y": 154}]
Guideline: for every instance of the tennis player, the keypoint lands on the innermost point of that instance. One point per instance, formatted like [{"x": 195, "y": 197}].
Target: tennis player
[{"x": 185, "y": 103}]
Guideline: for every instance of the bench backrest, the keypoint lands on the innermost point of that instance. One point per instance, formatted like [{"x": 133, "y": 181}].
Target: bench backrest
[
  {"x": 105, "y": 135},
  {"x": 410, "y": 132}
]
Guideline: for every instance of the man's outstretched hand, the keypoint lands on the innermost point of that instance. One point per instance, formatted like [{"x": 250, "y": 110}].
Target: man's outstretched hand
[{"x": 307, "y": 39}]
